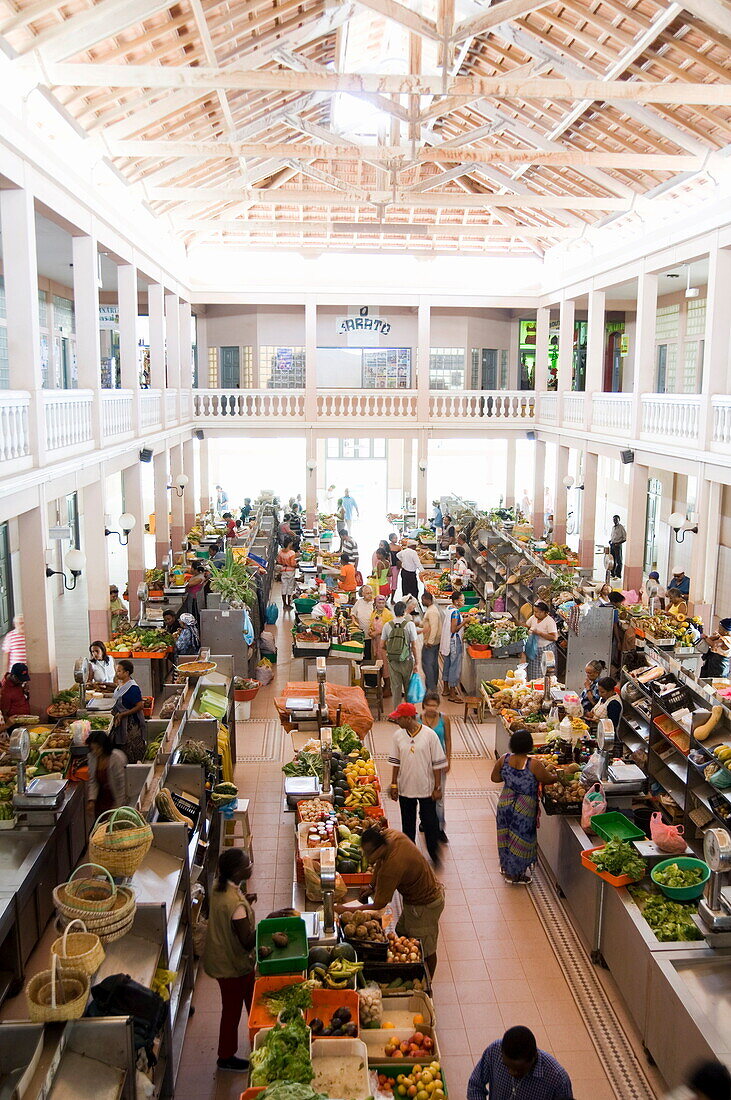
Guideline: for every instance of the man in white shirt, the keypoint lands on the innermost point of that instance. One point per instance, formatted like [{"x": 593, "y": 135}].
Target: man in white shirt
[
  {"x": 361, "y": 611},
  {"x": 617, "y": 539},
  {"x": 461, "y": 569},
  {"x": 399, "y": 644},
  {"x": 410, "y": 568},
  {"x": 418, "y": 760},
  {"x": 431, "y": 634}
]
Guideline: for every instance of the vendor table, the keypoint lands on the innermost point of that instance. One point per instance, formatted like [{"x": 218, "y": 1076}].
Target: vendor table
[
  {"x": 477, "y": 669},
  {"x": 150, "y": 673}
]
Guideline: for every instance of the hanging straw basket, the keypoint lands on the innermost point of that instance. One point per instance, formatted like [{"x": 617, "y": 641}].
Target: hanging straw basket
[
  {"x": 120, "y": 840},
  {"x": 55, "y": 994},
  {"x": 79, "y": 897},
  {"x": 80, "y": 950}
]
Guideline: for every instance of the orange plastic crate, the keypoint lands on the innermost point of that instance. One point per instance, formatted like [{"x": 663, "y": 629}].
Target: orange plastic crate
[
  {"x": 260, "y": 1016},
  {"x": 327, "y": 1001},
  {"x": 255, "y": 1090},
  {"x": 613, "y": 880}
]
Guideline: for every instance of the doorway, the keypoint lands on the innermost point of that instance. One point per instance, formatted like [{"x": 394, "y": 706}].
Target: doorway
[
  {"x": 360, "y": 466},
  {"x": 654, "y": 498},
  {"x": 230, "y": 368},
  {"x": 6, "y": 584},
  {"x": 662, "y": 368},
  {"x": 489, "y": 369},
  {"x": 613, "y": 363}
]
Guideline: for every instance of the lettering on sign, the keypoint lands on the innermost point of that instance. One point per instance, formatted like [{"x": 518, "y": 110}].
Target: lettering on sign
[{"x": 363, "y": 323}]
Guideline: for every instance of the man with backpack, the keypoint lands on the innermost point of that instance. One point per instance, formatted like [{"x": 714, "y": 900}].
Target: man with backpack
[{"x": 399, "y": 642}]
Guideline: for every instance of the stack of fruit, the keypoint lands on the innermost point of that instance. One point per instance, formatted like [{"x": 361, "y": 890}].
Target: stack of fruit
[
  {"x": 334, "y": 969},
  {"x": 360, "y": 926},
  {"x": 403, "y": 949},
  {"x": 418, "y": 1046}
]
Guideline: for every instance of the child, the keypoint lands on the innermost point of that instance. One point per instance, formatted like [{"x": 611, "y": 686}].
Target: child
[{"x": 440, "y": 723}]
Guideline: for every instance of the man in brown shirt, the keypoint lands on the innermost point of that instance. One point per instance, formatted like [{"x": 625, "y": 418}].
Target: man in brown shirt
[{"x": 398, "y": 865}]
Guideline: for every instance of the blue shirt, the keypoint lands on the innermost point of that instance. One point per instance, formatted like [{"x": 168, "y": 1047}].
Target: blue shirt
[
  {"x": 682, "y": 586},
  {"x": 349, "y": 506},
  {"x": 547, "y": 1080}
]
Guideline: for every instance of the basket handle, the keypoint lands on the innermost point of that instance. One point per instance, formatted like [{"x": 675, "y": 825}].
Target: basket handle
[
  {"x": 69, "y": 926},
  {"x": 121, "y": 813},
  {"x": 54, "y": 968},
  {"x": 96, "y": 867}
]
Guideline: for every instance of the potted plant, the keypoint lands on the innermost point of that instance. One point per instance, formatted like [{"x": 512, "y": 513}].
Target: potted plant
[{"x": 233, "y": 582}]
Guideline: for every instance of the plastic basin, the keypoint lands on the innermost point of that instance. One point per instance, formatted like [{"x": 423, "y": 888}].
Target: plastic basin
[
  {"x": 284, "y": 960},
  {"x": 614, "y": 824},
  {"x": 682, "y": 893}
]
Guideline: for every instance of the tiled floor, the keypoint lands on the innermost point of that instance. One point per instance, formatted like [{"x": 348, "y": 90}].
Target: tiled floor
[{"x": 496, "y": 965}]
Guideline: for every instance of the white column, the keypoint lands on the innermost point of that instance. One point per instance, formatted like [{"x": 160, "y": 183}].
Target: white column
[
  {"x": 634, "y": 548},
  {"x": 172, "y": 344},
  {"x": 129, "y": 330},
  {"x": 162, "y": 506},
  {"x": 201, "y": 334},
  {"x": 17, "y": 221},
  {"x": 156, "y": 314},
  {"x": 644, "y": 373},
  {"x": 311, "y": 476},
  {"x": 423, "y": 359},
  {"x": 177, "y": 526},
  {"x": 407, "y": 467},
  {"x": 310, "y": 361},
  {"x": 37, "y": 599},
  {"x": 539, "y": 488},
  {"x": 561, "y": 495},
  {"x": 565, "y": 355},
  {"x": 594, "y": 349},
  {"x": 189, "y": 494},
  {"x": 510, "y": 471},
  {"x": 88, "y": 344},
  {"x": 587, "y": 541},
  {"x": 513, "y": 357},
  {"x": 94, "y": 546},
  {"x": 717, "y": 340},
  {"x": 185, "y": 315},
  {"x": 421, "y": 475},
  {"x": 133, "y": 503},
  {"x": 704, "y": 550},
  {"x": 205, "y": 473},
  {"x": 543, "y": 324}
]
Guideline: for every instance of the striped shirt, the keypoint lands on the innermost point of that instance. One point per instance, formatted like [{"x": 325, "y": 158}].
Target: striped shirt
[
  {"x": 548, "y": 1080},
  {"x": 14, "y": 646}
]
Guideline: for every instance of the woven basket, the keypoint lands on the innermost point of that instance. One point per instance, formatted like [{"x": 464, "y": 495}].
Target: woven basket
[
  {"x": 80, "y": 950},
  {"x": 51, "y": 996},
  {"x": 95, "y": 893},
  {"x": 124, "y": 904},
  {"x": 121, "y": 843},
  {"x": 116, "y": 931}
]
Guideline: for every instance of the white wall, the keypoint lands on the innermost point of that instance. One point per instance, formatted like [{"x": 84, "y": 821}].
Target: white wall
[{"x": 246, "y": 466}]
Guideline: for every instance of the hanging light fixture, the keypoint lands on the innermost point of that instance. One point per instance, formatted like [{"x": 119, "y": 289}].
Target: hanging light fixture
[
  {"x": 127, "y": 523},
  {"x": 74, "y": 562}
]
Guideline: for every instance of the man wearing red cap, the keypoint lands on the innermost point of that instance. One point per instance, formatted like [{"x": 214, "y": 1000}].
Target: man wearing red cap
[{"x": 418, "y": 761}]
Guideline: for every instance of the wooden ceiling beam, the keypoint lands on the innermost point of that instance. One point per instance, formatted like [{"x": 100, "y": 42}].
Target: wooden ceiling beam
[
  {"x": 404, "y": 17},
  {"x": 446, "y": 199},
  {"x": 502, "y": 12},
  {"x": 716, "y": 13},
  {"x": 86, "y": 28},
  {"x": 458, "y": 229}
]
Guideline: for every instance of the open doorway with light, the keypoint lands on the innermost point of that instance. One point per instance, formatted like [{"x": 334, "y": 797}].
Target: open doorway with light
[{"x": 360, "y": 466}]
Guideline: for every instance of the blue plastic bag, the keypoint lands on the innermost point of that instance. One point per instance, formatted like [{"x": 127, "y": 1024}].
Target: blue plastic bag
[
  {"x": 531, "y": 647},
  {"x": 247, "y": 628},
  {"x": 271, "y": 614},
  {"x": 416, "y": 689}
]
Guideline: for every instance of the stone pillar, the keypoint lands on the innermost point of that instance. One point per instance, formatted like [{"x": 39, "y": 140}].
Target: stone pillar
[
  {"x": 177, "y": 500},
  {"x": 717, "y": 340},
  {"x": 421, "y": 476},
  {"x": 704, "y": 551},
  {"x": 133, "y": 503},
  {"x": 561, "y": 495},
  {"x": 510, "y": 471},
  {"x": 186, "y": 350},
  {"x": 129, "y": 339},
  {"x": 587, "y": 541},
  {"x": 172, "y": 345},
  {"x": 423, "y": 360},
  {"x": 594, "y": 350},
  {"x": 162, "y": 506},
  {"x": 539, "y": 488},
  {"x": 311, "y": 476},
  {"x": 37, "y": 600},
  {"x": 407, "y": 463},
  {"x": 310, "y": 362},
  {"x": 205, "y": 474},
  {"x": 513, "y": 357},
  {"x": 644, "y": 373},
  {"x": 94, "y": 546},
  {"x": 634, "y": 548},
  {"x": 156, "y": 313},
  {"x": 189, "y": 495},
  {"x": 543, "y": 323},
  {"x": 86, "y": 308},
  {"x": 565, "y": 354},
  {"x": 17, "y": 221}
]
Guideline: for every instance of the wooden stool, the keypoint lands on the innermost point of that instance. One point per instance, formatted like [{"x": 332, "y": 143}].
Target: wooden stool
[
  {"x": 476, "y": 703},
  {"x": 371, "y": 678},
  {"x": 236, "y": 830}
]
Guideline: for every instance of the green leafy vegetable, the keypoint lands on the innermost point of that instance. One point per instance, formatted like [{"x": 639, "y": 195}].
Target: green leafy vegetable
[
  {"x": 291, "y": 998},
  {"x": 678, "y": 877},
  {"x": 305, "y": 763},
  {"x": 671, "y": 921},
  {"x": 288, "y": 1090},
  {"x": 618, "y": 857},
  {"x": 481, "y": 633},
  {"x": 284, "y": 1055},
  {"x": 346, "y": 740}
]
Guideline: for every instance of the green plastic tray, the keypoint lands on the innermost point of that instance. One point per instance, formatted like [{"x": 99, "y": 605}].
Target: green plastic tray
[
  {"x": 614, "y": 824},
  {"x": 284, "y": 960}
]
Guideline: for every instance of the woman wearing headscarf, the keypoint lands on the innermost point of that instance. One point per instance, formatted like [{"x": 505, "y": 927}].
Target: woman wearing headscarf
[
  {"x": 129, "y": 729},
  {"x": 717, "y": 662},
  {"x": 655, "y": 593},
  {"x": 188, "y": 641}
]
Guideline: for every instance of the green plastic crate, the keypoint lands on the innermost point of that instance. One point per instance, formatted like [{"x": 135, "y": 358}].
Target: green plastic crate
[
  {"x": 614, "y": 824},
  {"x": 291, "y": 959}
]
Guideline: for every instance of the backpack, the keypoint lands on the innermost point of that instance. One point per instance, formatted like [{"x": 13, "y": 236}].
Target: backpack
[{"x": 397, "y": 644}]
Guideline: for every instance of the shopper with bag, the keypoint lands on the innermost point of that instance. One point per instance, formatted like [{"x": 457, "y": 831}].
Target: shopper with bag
[
  {"x": 418, "y": 761},
  {"x": 399, "y": 642},
  {"x": 431, "y": 632},
  {"x": 451, "y": 648},
  {"x": 517, "y": 809},
  {"x": 442, "y": 726}
]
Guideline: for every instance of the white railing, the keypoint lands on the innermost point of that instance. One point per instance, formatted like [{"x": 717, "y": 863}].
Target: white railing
[
  {"x": 68, "y": 417},
  {"x": 721, "y": 412},
  {"x": 171, "y": 406},
  {"x": 670, "y": 416},
  {"x": 612, "y": 412},
  {"x": 483, "y": 405},
  {"x": 368, "y": 404},
  {"x": 14, "y": 439},
  {"x": 185, "y": 405},
  {"x": 116, "y": 412},
  {"x": 150, "y": 408},
  {"x": 249, "y": 404},
  {"x": 573, "y": 408},
  {"x": 547, "y": 407}
]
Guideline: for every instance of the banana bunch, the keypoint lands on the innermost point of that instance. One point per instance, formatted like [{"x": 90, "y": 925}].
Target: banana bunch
[
  {"x": 365, "y": 795},
  {"x": 723, "y": 755},
  {"x": 338, "y": 975}
]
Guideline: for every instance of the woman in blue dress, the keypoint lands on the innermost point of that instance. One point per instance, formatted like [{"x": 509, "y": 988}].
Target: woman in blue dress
[{"x": 517, "y": 809}]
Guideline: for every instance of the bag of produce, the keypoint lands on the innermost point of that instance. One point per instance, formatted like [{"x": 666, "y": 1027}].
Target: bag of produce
[
  {"x": 669, "y": 838},
  {"x": 592, "y": 770},
  {"x": 416, "y": 689},
  {"x": 370, "y": 1005},
  {"x": 594, "y": 803},
  {"x": 264, "y": 672},
  {"x": 313, "y": 886}
]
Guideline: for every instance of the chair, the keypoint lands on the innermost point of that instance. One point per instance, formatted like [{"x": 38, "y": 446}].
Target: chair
[
  {"x": 236, "y": 830},
  {"x": 476, "y": 703},
  {"x": 371, "y": 679}
]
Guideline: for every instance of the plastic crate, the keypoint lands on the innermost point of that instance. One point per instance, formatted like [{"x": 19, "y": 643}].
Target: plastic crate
[
  {"x": 365, "y": 949},
  {"x": 613, "y": 880},
  {"x": 390, "y": 1069},
  {"x": 260, "y": 1016},
  {"x": 291, "y": 959},
  {"x": 376, "y": 1038},
  {"x": 327, "y": 1001},
  {"x": 562, "y": 809},
  {"x": 421, "y": 1003},
  {"x": 615, "y": 824},
  {"x": 384, "y": 974},
  {"x": 347, "y": 1051}
]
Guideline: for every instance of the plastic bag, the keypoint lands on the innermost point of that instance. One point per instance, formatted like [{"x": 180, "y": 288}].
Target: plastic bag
[
  {"x": 592, "y": 770},
  {"x": 531, "y": 646},
  {"x": 416, "y": 689},
  {"x": 721, "y": 780},
  {"x": 271, "y": 614},
  {"x": 247, "y": 628},
  {"x": 669, "y": 838},
  {"x": 594, "y": 803},
  {"x": 313, "y": 886},
  {"x": 264, "y": 673},
  {"x": 370, "y": 1005}
]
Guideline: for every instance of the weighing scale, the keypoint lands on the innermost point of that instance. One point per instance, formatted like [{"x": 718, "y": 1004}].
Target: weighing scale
[
  {"x": 714, "y": 909},
  {"x": 41, "y": 799},
  {"x": 548, "y": 668}
]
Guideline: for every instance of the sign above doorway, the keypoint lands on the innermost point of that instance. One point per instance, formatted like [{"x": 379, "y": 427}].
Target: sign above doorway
[{"x": 362, "y": 323}]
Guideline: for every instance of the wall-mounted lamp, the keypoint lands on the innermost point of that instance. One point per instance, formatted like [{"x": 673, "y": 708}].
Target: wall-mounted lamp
[
  {"x": 127, "y": 522},
  {"x": 311, "y": 465},
  {"x": 681, "y": 523},
  {"x": 74, "y": 562},
  {"x": 422, "y": 467},
  {"x": 179, "y": 484},
  {"x": 568, "y": 481}
]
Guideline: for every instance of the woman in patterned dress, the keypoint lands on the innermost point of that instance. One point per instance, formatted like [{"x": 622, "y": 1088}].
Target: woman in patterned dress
[{"x": 517, "y": 810}]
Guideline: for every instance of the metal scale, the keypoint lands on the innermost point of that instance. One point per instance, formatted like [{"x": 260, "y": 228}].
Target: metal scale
[
  {"x": 714, "y": 909},
  {"x": 99, "y": 701},
  {"x": 39, "y": 801},
  {"x": 310, "y": 716},
  {"x": 548, "y": 667}
]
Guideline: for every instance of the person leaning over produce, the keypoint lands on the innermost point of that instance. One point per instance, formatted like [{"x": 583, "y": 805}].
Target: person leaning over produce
[
  {"x": 609, "y": 705},
  {"x": 398, "y": 865},
  {"x": 229, "y": 952},
  {"x": 14, "y": 693},
  {"x": 450, "y": 647},
  {"x": 170, "y": 621},
  {"x": 513, "y": 1068},
  {"x": 107, "y": 789},
  {"x": 98, "y": 668},
  {"x": 418, "y": 761},
  {"x": 129, "y": 729}
]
